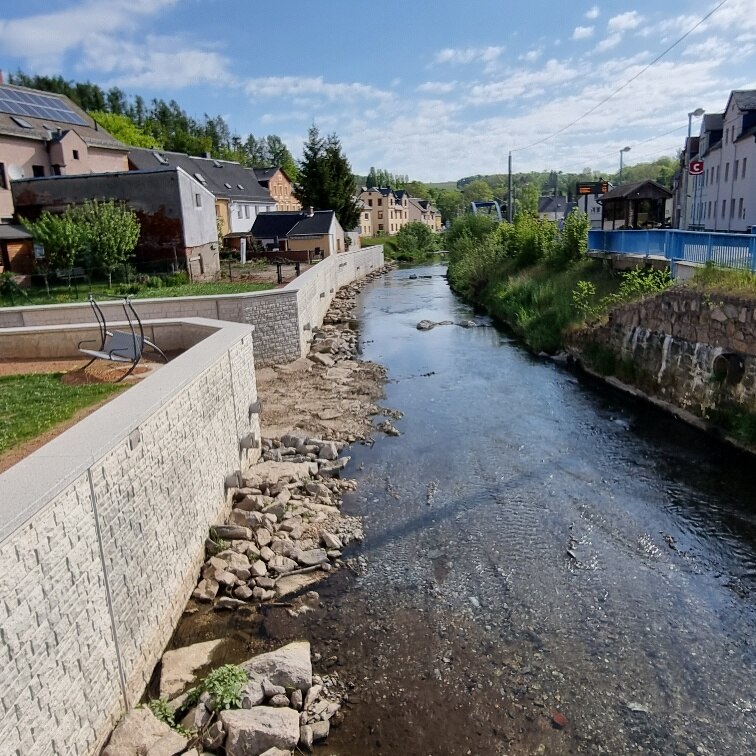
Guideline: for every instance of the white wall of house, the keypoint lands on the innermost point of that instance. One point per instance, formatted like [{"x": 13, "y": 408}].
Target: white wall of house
[
  {"x": 724, "y": 196},
  {"x": 197, "y": 210},
  {"x": 242, "y": 214}
]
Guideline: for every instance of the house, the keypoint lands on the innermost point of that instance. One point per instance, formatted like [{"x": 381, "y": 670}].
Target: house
[
  {"x": 45, "y": 134},
  {"x": 555, "y": 208},
  {"x": 302, "y": 235},
  {"x": 16, "y": 249},
  {"x": 389, "y": 210},
  {"x": 176, "y": 213},
  {"x": 422, "y": 211},
  {"x": 723, "y": 195},
  {"x": 682, "y": 184},
  {"x": 366, "y": 220},
  {"x": 239, "y": 198},
  {"x": 279, "y": 185}
]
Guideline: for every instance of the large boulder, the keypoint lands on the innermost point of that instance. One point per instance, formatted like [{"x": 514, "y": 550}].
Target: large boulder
[
  {"x": 179, "y": 666},
  {"x": 289, "y": 666},
  {"x": 140, "y": 732},
  {"x": 251, "y": 732}
]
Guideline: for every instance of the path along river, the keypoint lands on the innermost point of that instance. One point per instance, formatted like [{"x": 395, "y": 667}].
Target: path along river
[{"x": 535, "y": 546}]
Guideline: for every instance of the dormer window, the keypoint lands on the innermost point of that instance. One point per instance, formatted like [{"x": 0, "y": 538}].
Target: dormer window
[
  {"x": 240, "y": 187},
  {"x": 160, "y": 158},
  {"x": 200, "y": 178},
  {"x": 217, "y": 164},
  {"x": 228, "y": 186},
  {"x": 22, "y": 122}
]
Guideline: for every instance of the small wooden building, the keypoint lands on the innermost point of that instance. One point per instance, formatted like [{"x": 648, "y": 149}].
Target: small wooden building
[
  {"x": 16, "y": 249},
  {"x": 642, "y": 204}
]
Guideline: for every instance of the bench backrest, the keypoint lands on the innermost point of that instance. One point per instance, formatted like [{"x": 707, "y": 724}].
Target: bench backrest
[{"x": 125, "y": 344}]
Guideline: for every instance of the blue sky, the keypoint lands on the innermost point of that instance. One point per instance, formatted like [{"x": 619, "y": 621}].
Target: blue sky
[{"x": 435, "y": 90}]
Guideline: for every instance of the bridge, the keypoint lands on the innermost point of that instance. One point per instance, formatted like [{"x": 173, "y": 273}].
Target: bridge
[{"x": 682, "y": 251}]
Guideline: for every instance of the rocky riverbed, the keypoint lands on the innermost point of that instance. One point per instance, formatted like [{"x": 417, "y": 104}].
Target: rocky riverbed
[{"x": 284, "y": 534}]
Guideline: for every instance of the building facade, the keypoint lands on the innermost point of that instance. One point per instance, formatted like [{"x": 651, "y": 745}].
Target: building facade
[
  {"x": 44, "y": 134},
  {"x": 279, "y": 185},
  {"x": 723, "y": 196},
  {"x": 389, "y": 210}
]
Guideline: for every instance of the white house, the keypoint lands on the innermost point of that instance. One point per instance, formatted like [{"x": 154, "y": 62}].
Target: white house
[{"x": 723, "y": 197}]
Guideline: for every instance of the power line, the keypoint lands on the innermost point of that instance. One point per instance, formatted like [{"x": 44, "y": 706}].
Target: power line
[{"x": 626, "y": 84}]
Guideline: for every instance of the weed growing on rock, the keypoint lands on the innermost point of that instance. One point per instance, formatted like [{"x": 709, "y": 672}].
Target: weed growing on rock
[
  {"x": 163, "y": 711},
  {"x": 224, "y": 685}
]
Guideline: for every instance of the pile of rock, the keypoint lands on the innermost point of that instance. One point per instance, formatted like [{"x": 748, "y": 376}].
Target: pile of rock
[
  {"x": 285, "y": 530},
  {"x": 283, "y": 707}
]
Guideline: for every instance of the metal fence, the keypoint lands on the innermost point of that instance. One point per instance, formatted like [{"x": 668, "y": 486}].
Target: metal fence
[{"x": 727, "y": 250}]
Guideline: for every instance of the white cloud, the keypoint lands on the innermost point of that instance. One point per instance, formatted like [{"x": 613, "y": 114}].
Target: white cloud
[
  {"x": 583, "y": 32},
  {"x": 625, "y": 22},
  {"x": 42, "y": 39},
  {"x": 468, "y": 55},
  {"x": 593, "y": 13},
  {"x": 531, "y": 56},
  {"x": 314, "y": 87},
  {"x": 437, "y": 87},
  {"x": 609, "y": 42},
  {"x": 519, "y": 83}
]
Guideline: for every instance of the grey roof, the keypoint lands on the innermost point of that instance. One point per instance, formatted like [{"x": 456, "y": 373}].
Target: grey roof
[
  {"x": 281, "y": 224},
  {"x": 10, "y": 231},
  {"x": 713, "y": 121},
  {"x": 44, "y": 129},
  {"x": 224, "y": 178},
  {"x": 552, "y": 204},
  {"x": 745, "y": 99},
  {"x": 637, "y": 190}
]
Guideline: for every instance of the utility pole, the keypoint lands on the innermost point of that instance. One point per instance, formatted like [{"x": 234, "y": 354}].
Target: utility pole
[{"x": 509, "y": 190}]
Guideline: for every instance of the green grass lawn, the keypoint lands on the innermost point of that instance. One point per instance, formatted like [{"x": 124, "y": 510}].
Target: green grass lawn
[
  {"x": 32, "y": 404},
  {"x": 63, "y": 295}
]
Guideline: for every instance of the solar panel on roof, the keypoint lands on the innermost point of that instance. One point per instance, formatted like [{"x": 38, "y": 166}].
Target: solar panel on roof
[{"x": 38, "y": 106}]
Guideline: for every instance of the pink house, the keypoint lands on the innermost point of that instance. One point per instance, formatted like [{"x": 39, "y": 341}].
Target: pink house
[{"x": 45, "y": 134}]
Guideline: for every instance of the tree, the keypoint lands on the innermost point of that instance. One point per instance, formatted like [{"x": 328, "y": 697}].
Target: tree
[
  {"x": 125, "y": 130},
  {"x": 415, "y": 241},
  {"x": 111, "y": 232},
  {"x": 60, "y": 235},
  {"x": 325, "y": 180},
  {"x": 280, "y": 156},
  {"x": 529, "y": 196},
  {"x": 450, "y": 203},
  {"x": 477, "y": 191}
]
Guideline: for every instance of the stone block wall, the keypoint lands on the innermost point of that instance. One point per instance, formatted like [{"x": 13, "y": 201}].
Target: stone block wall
[
  {"x": 673, "y": 341},
  {"x": 101, "y": 539},
  {"x": 283, "y": 318}
]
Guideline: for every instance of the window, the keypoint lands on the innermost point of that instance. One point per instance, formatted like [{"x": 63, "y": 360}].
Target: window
[
  {"x": 200, "y": 178},
  {"x": 708, "y": 212},
  {"x": 732, "y": 209},
  {"x": 380, "y": 202},
  {"x": 727, "y": 171},
  {"x": 717, "y": 174},
  {"x": 246, "y": 211},
  {"x": 735, "y": 171},
  {"x": 198, "y": 199},
  {"x": 367, "y": 216},
  {"x": 3, "y": 179},
  {"x": 380, "y": 215},
  {"x": 22, "y": 122},
  {"x": 740, "y": 209},
  {"x": 724, "y": 208},
  {"x": 38, "y": 171},
  {"x": 370, "y": 203},
  {"x": 56, "y": 170},
  {"x": 380, "y": 226},
  {"x": 75, "y": 154},
  {"x": 239, "y": 212},
  {"x": 744, "y": 168}
]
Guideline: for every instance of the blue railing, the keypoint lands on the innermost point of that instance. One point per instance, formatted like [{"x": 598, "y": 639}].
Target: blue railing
[{"x": 728, "y": 250}]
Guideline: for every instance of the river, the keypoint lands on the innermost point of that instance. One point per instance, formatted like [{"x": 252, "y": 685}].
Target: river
[{"x": 537, "y": 547}]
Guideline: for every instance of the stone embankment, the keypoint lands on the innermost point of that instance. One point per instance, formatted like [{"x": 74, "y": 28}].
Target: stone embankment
[
  {"x": 284, "y": 533},
  {"x": 693, "y": 350}
]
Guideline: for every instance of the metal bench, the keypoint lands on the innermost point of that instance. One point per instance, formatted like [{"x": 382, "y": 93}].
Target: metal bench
[{"x": 119, "y": 346}]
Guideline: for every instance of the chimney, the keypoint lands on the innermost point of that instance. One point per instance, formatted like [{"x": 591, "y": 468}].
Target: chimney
[
  {"x": 2, "y": 80},
  {"x": 310, "y": 211},
  {"x": 206, "y": 155}
]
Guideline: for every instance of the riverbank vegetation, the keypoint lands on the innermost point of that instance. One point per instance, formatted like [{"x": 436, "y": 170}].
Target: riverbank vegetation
[
  {"x": 415, "y": 242},
  {"x": 535, "y": 277},
  {"x": 735, "y": 281}
]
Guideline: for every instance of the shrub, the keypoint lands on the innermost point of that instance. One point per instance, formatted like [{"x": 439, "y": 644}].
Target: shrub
[
  {"x": 415, "y": 241},
  {"x": 154, "y": 282},
  {"x": 177, "y": 279}
]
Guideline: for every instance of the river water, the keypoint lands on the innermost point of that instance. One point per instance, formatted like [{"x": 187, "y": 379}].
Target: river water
[{"x": 535, "y": 546}]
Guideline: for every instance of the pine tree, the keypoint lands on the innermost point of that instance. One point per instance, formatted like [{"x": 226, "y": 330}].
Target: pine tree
[{"x": 326, "y": 181}]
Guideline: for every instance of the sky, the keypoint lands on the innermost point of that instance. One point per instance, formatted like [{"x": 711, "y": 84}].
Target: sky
[{"x": 435, "y": 90}]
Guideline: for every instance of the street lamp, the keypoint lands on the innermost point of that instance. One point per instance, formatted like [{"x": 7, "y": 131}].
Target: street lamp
[
  {"x": 624, "y": 149},
  {"x": 697, "y": 113}
]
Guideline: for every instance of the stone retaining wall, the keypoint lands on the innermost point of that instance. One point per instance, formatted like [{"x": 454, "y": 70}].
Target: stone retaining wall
[
  {"x": 283, "y": 318},
  {"x": 101, "y": 538},
  {"x": 675, "y": 339}
]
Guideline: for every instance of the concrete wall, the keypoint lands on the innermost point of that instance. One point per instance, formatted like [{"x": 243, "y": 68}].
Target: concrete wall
[
  {"x": 674, "y": 340},
  {"x": 101, "y": 540},
  {"x": 283, "y": 318}
]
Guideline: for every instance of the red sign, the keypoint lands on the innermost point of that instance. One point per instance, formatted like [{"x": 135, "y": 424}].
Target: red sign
[{"x": 696, "y": 168}]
